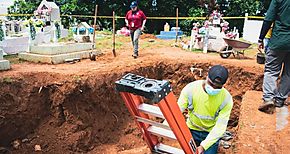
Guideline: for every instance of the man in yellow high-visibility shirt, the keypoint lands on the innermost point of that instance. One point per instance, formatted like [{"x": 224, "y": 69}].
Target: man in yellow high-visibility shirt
[{"x": 209, "y": 107}]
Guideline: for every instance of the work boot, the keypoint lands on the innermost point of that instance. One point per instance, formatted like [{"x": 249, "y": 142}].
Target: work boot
[
  {"x": 267, "y": 107},
  {"x": 279, "y": 103}
]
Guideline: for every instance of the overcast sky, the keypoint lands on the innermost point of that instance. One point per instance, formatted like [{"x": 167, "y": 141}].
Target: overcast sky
[{"x": 6, "y": 2}]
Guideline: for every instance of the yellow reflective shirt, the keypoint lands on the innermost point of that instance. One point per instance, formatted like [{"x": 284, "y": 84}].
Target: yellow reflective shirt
[
  {"x": 205, "y": 112},
  {"x": 269, "y": 33}
]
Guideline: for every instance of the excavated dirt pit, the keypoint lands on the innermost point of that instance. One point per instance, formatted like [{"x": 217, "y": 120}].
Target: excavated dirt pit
[{"x": 80, "y": 114}]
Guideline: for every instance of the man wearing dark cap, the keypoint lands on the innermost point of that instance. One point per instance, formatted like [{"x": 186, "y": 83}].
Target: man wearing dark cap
[{"x": 209, "y": 106}]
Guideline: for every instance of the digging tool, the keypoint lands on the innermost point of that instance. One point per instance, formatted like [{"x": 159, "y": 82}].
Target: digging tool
[
  {"x": 176, "y": 30},
  {"x": 114, "y": 36},
  {"x": 94, "y": 34}
]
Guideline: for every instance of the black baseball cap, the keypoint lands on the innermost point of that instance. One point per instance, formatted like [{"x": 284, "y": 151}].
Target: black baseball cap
[
  {"x": 133, "y": 4},
  {"x": 218, "y": 74}
]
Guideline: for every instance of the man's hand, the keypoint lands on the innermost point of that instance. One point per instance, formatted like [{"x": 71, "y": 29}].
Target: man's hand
[
  {"x": 142, "y": 28},
  {"x": 127, "y": 22},
  {"x": 260, "y": 45},
  {"x": 200, "y": 150}
]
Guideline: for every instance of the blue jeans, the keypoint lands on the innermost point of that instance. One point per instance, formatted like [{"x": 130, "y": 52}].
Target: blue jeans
[
  {"x": 199, "y": 136},
  {"x": 266, "y": 45},
  {"x": 135, "y": 34}
]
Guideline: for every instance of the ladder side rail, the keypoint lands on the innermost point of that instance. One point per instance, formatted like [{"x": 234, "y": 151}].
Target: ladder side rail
[
  {"x": 174, "y": 126},
  {"x": 172, "y": 103},
  {"x": 129, "y": 102}
]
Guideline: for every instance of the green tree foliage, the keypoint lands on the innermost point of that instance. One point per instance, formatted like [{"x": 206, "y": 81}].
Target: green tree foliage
[
  {"x": 238, "y": 8},
  {"x": 22, "y": 7},
  {"x": 164, "y": 8}
]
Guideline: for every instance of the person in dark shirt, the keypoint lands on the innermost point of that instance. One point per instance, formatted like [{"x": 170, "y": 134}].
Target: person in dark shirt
[
  {"x": 135, "y": 20},
  {"x": 277, "y": 56}
]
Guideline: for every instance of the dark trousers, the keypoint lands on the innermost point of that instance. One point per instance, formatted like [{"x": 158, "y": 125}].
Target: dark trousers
[
  {"x": 273, "y": 67},
  {"x": 199, "y": 136},
  {"x": 135, "y": 34}
]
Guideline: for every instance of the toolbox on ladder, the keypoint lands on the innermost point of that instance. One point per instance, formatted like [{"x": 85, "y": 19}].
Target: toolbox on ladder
[{"x": 161, "y": 103}]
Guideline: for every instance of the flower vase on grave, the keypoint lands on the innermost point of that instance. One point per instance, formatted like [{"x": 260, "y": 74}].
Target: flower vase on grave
[
  {"x": 166, "y": 27},
  {"x": 56, "y": 28},
  {"x": 205, "y": 47},
  {"x": 194, "y": 38},
  {"x": 2, "y": 33},
  {"x": 237, "y": 34},
  {"x": 32, "y": 35},
  {"x": 205, "y": 41},
  {"x": 1, "y": 53},
  {"x": 4, "y": 30},
  {"x": 54, "y": 34}
]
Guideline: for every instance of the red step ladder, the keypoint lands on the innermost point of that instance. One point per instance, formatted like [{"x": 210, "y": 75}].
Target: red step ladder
[{"x": 145, "y": 98}]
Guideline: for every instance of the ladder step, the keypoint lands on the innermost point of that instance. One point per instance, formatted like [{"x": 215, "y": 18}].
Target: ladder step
[
  {"x": 151, "y": 109},
  {"x": 168, "y": 149},
  {"x": 161, "y": 132},
  {"x": 153, "y": 123}
]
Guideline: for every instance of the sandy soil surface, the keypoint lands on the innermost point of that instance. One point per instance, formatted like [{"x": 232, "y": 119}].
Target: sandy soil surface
[{"x": 258, "y": 132}]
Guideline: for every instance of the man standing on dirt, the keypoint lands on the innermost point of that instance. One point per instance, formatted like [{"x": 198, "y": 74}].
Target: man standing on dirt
[
  {"x": 279, "y": 54},
  {"x": 209, "y": 107},
  {"x": 135, "y": 20}
]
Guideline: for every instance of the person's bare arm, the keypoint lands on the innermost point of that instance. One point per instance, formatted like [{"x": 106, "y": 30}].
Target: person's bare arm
[{"x": 143, "y": 25}]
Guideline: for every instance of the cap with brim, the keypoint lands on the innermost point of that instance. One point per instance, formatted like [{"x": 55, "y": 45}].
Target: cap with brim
[
  {"x": 133, "y": 4},
  {"x": 218, "y": 74}
]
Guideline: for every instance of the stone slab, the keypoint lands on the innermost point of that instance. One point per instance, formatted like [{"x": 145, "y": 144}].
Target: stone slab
[
  {"x": 14, "y": 45},
  {"x": 4, "y": 65},
  {"x": 171, "y": 33},
  {"x": 54, "y": 59},
  {"x": 59, "y": 48},
  {"x": 15, "y": 49},
  {"x": 164, "y": 37}
]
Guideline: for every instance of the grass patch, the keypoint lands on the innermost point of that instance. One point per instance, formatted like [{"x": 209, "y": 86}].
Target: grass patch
[
  {"x": 106, "y": 42},
  {"x": 197, "y": 50},
  {"x": 104, "y": 32},
  {"x": 77, "y": 78},
  {"x": 7, "y": 80},
  {"x": 13, "y": 59},
  {"x": 147, "y": 44}
]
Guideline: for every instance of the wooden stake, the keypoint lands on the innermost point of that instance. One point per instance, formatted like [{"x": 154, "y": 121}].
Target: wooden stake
[
  {"x": 176, "y": 25},
  {"x": 95, "y": 22},
  {"x": 114, "y": 29}
]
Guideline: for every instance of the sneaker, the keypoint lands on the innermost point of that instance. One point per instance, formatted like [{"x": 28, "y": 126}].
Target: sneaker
[
  {"x": 267, "y": 107},
  {"x": 278, "y": 103},
  {"x": 135, "y": 55}
]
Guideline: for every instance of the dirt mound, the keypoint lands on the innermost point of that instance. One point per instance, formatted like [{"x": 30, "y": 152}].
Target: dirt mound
[
  {"x": 148, "y": 36},
  {"x": 85, "y": 113},
  {"x": 260, "y": 132}
]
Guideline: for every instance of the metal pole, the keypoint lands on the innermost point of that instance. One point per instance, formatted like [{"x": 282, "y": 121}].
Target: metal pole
[
  {"x": 176, "y": 25},
  {"x": 114, "y": 28},
  {"x": 94, "y": 33}
]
